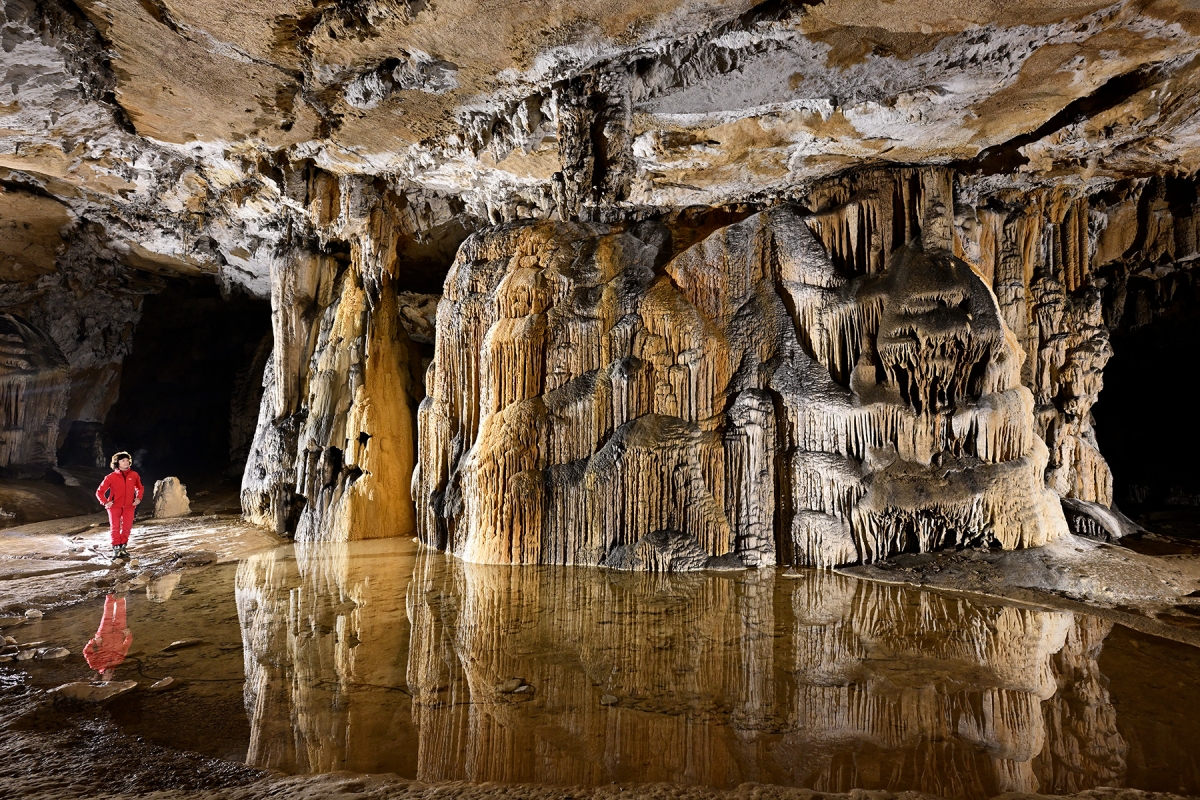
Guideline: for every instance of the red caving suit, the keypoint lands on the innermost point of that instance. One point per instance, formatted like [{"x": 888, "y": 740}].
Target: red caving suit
[
  {"x": 113, "y": 638},
  {"x": 122, "y": 488}
]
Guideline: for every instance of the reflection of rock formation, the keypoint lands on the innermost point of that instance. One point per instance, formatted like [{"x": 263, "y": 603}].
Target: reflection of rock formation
[
  {"x": 34, "y": 389},
  {"x": 821, "y": 681},
  {"x": 586, "y": 406},
  {"x": 325, "y": 637}
]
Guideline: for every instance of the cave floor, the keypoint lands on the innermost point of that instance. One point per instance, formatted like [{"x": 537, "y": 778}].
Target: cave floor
[{"x": 378, "y": 669}]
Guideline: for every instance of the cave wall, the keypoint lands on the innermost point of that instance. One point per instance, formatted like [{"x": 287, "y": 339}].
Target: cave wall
[
  {"x": 543, "y": 323},
  {"x": 34, "y": 390},
  {"x": 333, "y": 159}
]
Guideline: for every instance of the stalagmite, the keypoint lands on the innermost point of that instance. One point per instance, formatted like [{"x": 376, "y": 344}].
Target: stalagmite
[{"x": 745, "y": 404}]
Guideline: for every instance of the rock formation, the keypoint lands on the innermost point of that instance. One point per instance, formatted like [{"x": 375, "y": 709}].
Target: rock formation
[
  {"x": 170, "y": 499},
  {"x": 333, "y": 159},
  {"x": 748, "y": 397},
  {"x": 34, "y": 389}
]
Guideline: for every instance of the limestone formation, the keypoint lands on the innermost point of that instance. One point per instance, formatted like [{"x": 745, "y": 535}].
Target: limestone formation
[
  {"x": 618, "y": 163},
  {"x": 34, "y": 388},
  {"x": 333, "y": 451},
  {"x": 170, "y": 499},
  {"x": 748, "y": 400}
]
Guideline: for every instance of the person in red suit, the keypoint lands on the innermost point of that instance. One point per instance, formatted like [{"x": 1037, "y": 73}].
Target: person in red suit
[
  {"x": 120, "y": 492},
  {"x": 110, "y": 645}
]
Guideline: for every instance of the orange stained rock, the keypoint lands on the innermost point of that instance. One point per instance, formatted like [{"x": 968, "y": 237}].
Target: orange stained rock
[{"x": 748, "y": 403}]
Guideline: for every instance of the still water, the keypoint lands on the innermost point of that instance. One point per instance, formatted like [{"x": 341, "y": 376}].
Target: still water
[{"x": 374, "y": 657}]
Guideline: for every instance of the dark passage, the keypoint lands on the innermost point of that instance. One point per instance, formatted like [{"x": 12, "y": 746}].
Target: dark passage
[
  {"x": 190, "y": 388},
  {"x": 1146, "y": 420}
]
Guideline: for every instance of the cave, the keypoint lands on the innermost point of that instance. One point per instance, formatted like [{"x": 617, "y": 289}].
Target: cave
[
  {"x": 674, "y": 396},
  {"x": 1153, "y": 472},
  {"x": 191, "y": 385}
]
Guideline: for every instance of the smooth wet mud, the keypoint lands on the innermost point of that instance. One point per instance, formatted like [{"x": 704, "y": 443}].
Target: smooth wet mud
[{"x": 375, "y": 657}]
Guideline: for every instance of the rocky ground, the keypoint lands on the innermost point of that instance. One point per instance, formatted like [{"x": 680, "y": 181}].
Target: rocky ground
[
  {"x": 61, "y": 748},
  {"x": 1149, "y": 582}
]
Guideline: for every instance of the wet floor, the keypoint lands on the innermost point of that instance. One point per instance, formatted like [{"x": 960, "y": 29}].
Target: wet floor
[{"x": 374, "y": 657}]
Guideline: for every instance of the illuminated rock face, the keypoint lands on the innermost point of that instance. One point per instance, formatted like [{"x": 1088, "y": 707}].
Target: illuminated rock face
[
  {"x": 745, "y": 403},
  {"x": 333, "y": 451}
]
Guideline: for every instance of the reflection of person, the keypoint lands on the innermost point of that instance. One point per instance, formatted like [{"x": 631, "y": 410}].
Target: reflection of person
[
  {"x": 120, "y": 492},
  {"x": 108, "y": 647}
]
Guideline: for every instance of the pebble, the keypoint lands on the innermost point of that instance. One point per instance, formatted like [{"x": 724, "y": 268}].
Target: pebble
[
  {"x": 179, "y": 644},
  {"x": 25, "y": 655},
  {"x": 10, "y": 640},
  {"x": 526, "y": 689},
  {"x": 133, "y": 562},
  {"x": 6, "y": 659},
  {"x": 609, "y": 699},
  {"x": 164, "y": 684},
  {"x": 33, "y": 613},
  {"x": 50, "y": 653}
]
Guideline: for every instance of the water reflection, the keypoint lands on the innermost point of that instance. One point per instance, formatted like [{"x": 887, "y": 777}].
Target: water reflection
[
  {"x": 564, "y": 676},
  {"x": 325, "y": 637},
  {"x": 108, "y": 647}
]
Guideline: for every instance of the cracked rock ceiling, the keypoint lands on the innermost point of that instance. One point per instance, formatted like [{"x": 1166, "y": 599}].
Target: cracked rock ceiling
[{"x": 165, "y": 127}]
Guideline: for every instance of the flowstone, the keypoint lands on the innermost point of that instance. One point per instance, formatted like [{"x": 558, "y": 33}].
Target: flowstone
[
  {"x": 747, "y": 400},
  {"x": 34, "y": 388}
]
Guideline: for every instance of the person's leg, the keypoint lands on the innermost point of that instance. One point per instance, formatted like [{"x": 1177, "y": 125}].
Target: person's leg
[
  {"x": 125, "y": 522},
  {"x": 110, "y": 611},
  {"x": 114, "y": 522},
  {"x": 128, "y": 528}
]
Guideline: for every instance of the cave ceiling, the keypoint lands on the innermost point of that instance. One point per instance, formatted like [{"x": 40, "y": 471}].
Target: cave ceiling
[{"x": 168, "y": 129}]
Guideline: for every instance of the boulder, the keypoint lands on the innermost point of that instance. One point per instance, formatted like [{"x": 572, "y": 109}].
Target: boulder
[{"x": 170, "y": 499}]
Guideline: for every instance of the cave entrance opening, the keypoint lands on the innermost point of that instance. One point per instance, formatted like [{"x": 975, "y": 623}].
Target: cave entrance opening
[
  {"x": 191, "y": 386},
  {"x": 1146, "y": 423}
]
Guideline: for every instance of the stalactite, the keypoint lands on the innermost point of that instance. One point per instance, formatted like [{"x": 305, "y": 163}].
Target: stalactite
[{"x": 656, "y": 419}]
